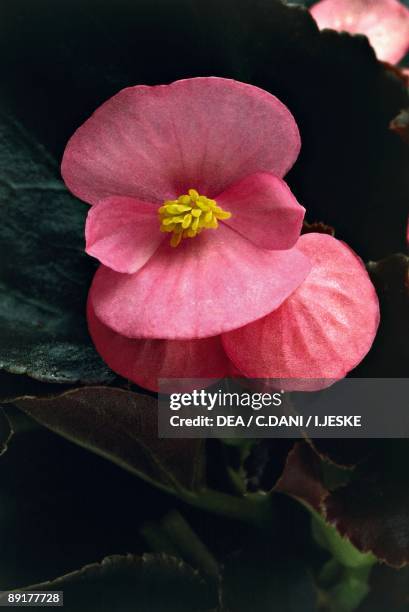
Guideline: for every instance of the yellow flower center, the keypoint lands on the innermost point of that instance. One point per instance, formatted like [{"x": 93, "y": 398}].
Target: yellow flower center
[{"x": 187, "y": 216}]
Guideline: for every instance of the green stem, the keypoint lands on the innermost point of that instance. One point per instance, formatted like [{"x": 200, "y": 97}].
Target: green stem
[
  {"x": 254, "y": 509},
  {"x": 158, "y": 540},
  {"x": 189, "y": 545}
]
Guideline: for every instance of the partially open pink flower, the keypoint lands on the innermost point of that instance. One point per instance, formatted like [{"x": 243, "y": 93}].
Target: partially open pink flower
[
  {"x": 198, "y": 236},
  {"x": 384, "y": 22}
]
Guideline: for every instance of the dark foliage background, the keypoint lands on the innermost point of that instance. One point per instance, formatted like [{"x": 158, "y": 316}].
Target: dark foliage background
[{"x": 63, "y": 506}]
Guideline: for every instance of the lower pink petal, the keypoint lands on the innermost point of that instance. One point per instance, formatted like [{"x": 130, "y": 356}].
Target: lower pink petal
[
  {"x": 144, "y": 362},
  {"x": 263, "y": 210},
  {"x": 384, "y": 22},
  {"x": 207, "y": 285},
  {"x": 322, "y": 331},
  {"x": 123, "y": 233}
]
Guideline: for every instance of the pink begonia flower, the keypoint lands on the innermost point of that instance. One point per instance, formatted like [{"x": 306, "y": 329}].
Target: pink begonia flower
[
  {"x": 199, "y": 241},
  {"x": 384, "y": 22}
]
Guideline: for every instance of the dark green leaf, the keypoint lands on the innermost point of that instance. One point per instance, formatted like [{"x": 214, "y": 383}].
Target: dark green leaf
[
  {"x": 151, "y": 583},
  {"x": 301, "y": 477},
  {"x": 5, "y": 431},
  {"x": 265, "y": 463},
  {"x": 306, "y": 3},
  {"x": 389, "y": 356},
  {"x": 341, "y": 452},
  {"x": 372, "y": 510},
  {"x": 44, "y": 273},
  {"x": 13, "y": 386},
  {"x": 121, "y": 426}
]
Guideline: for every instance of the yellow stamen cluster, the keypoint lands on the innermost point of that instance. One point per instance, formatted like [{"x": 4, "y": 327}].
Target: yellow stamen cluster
[{"x": 187, "y": 216}]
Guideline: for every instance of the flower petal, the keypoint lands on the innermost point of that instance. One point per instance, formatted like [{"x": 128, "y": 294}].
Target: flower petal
[
  {"x": 144, "y": 362},
  {"x": 263, "y": 210},
  {"x": 384, "y": 22},
  {"x": 122, "y": 233},
  {"x": 155, "y": 143},
  {"x": 323, "y": 330},
  {"x": 209, "y": 284}
]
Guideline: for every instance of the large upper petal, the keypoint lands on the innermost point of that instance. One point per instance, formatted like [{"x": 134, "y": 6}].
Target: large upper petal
[
  {"x": 154, "y": 143},
  {"x": 146, "y": 361},
  {"x": 122, "y": 233},
  {"x": 263, "y": 210},
  {"x": 207, "y": 285},
  {"x": 384, "y": 22},
  {"x": 323, "y": 330}
]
